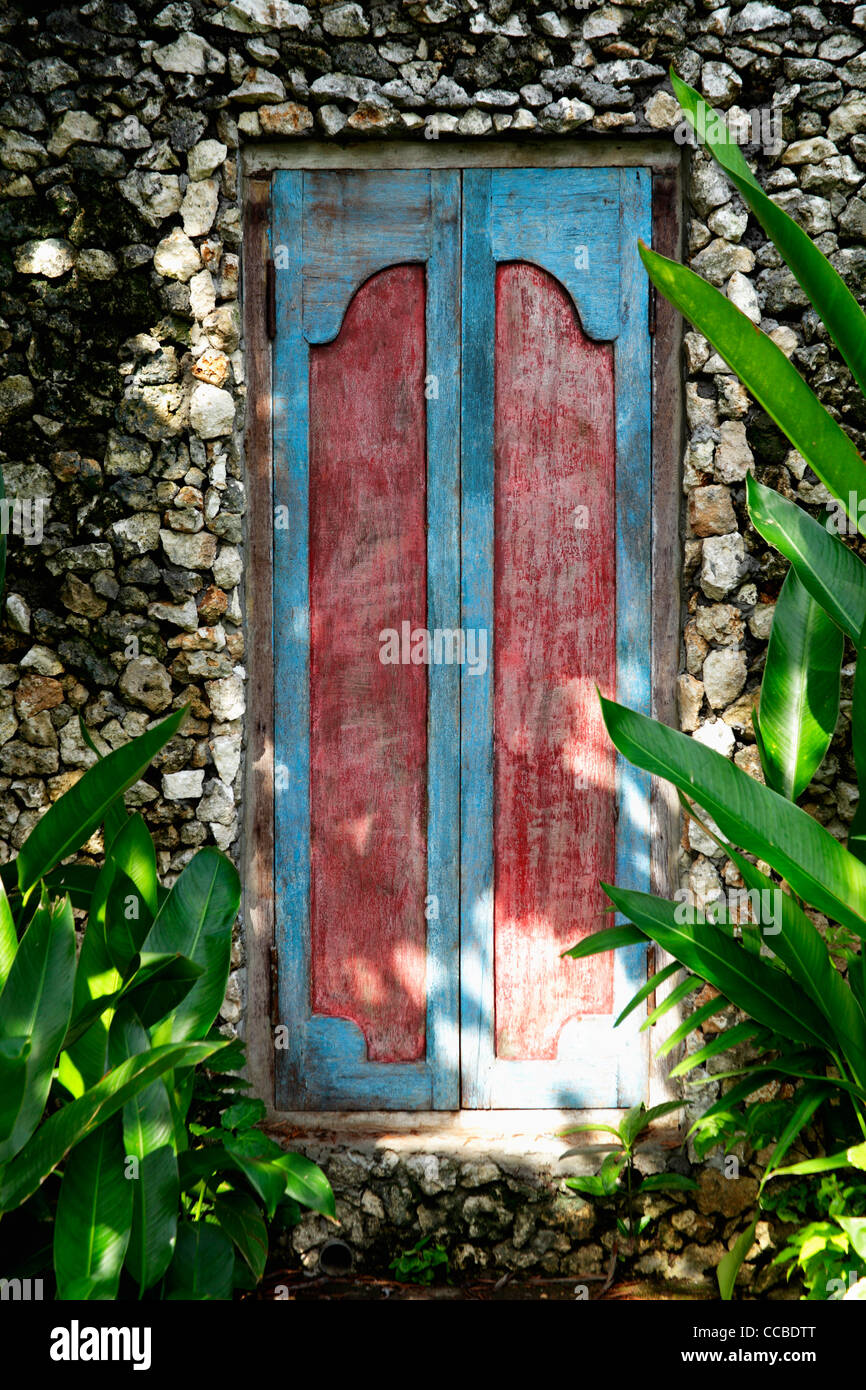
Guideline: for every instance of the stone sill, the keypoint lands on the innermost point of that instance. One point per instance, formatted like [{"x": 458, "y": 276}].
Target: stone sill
[{"x": 516, "y": 1140}]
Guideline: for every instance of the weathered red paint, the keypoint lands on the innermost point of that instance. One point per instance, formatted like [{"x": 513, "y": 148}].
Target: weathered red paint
[
  {"x": 368, "y": 720},
  {"x": 554, "y": 597}
]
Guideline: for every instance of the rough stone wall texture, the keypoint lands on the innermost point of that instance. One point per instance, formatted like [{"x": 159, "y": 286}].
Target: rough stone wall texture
[
  {"x": 499, "y": 1211},
  {"x": 121, "y": 366}
]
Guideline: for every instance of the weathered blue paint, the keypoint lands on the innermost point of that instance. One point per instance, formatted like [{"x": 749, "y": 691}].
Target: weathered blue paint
[
  {"x": 581, "y": 225},
  {"x": 338, "y": 229},
  {"x": 443, "y": 611},
  {"x": 633, "y": 597},
  {"x": 476, "y": 721}
]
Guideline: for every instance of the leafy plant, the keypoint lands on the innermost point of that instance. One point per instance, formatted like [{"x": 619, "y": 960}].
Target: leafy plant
[
  {"x": 829, "y": 1253},
  {"x": 805, "y": 1021},
  {"x": 618, "y": 1177},
  {"x": 98, "y": 1059},
  {"x": 421, "y": 1264}
]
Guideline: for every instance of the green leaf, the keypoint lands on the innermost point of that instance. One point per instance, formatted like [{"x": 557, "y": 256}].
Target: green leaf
[
  {"x": 750, "y": 815},
  {"x": 13, "y": 1079},
  {"x": 306, "y": 1182},
  {"x": 72, "y": 819},
  {"x": 729, "y": 1265},
  {"x": 832, "y": 573},
  {"x": 806, "y": 1102},
  {"x": 647, "y": 988},
  {"x": 761, "y": 991},
  {"x": 857, "y": 828},
  {"x": 8, "y": 938},
  {"x": 148, "y": 1134},
  {"x": 240, "y": 1218},
  {"x": 158, "y": 984},
  {"x": 825, "y": 1164},
  {"x": 802, "y": 948},
  {"x": 825, "y": 289},
  {"x": 611, "y": 1170},
  {"x": 261, "y": 1171},
  {"x": 668, "y": 1182},
  {"x": 196, "y": 918},
  {"x": 656, "y": 1112},
  {"x": 799, "y": 703},
  {"x": 855, "y": 1229},
  {"x": 610, "y": 939},
  {"x": 133, "y": 899},
  {"x": 682, "y": 991},
  {"x": 765, "y": 370},
  {"x": 589, "y": 1128},
  {"x": 632, "y": 1123},
  {"x": 94, "y": 1211},
  {"x": 73, "y": 1122},
  {"x": 694, "y": 1021},
  {"x": 731, "y": 1037},
  {"x": 203, "y": 1264},
  {"x": 244, "y": 1114},
  {"x": 197, "y": 1165},
  {"x": 36, "y": 1003},
  {"x": 115, "y": 815},
  {"x": 78, "y": 880},
  {"x": 857, "y": 1156},
  {"x": 590, "y": 1186}
]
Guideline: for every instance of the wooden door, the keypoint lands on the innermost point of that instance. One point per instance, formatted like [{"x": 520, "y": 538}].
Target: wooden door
[{"x": 462, "y": 492}]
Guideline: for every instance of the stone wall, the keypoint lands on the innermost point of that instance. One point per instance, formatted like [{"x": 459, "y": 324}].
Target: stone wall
[{"x": 122, "y": 370}]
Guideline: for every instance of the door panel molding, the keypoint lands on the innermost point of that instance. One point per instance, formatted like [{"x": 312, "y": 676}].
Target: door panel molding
[
  {"x": 324, "y": 1063},
  {"x": 595, "y": 1066}
]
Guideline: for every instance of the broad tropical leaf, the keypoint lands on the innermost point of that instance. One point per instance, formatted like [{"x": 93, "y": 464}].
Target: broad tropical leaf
[
  {"x": 857, "y": 828},
  {"x": 8, "y": 938},
  {"x": 241, "y": 1219},
  {"x": 800, "y": 945},
  {"x": 94, "y": 1209},
  {"x": 748, "y": 814},
  {"x": 765, "y": 370},
  {"x": 610, "y": 939},
  {"x": 71, "y": 821},
  {"x": 115, "y": 815},
  {"x": 133, "y": 899},
  {"x": 751, "y": 983},
  {"x": 196, "y": 919},
  {"x": 723, "y": 1042},
  {"x": 13, "y": 1079},
  {"x": 826, "y": 290},
  {"x": 67, "y": 1126},
  {"x": 203, "y": 1263},
  {"x": 799, "y": 703},
  {"x": 825, "y": 565},
  {"x": 148, "y": 1138},
  {"x": 36, "y": 1004},
  {"x": 306, "y": 1182}
]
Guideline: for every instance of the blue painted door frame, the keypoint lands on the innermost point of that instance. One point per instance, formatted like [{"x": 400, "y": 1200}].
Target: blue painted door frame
[{"x": 333, "y": 230}]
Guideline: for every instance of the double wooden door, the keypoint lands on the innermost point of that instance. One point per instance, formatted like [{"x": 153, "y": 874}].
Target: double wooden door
[{"x": 461, "y": 557}]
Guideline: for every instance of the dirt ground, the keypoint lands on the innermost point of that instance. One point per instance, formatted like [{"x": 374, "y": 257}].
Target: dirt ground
[{"x": 293, "y": 1285}]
